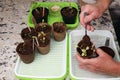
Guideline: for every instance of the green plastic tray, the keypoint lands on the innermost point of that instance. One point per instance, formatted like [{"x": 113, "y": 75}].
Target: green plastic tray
[
  {"x": 53, "y": 16},
  {"x": 52, "y": 66}
]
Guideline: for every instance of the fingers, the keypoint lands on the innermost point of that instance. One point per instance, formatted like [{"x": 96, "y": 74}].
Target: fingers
[
  {"x": 92, "y": 14},
  {"x": 88, "y": 67},
  {"x": 100, "y": 52},
  {"x": 82, "y": 18},
  {"x": 90, "y": 17},
  {"x": 81, "y": 60},
  {"x": 89, "y": 27},
  {"x": 86, "y": 21},
  {"x": 85, "y": 63}
]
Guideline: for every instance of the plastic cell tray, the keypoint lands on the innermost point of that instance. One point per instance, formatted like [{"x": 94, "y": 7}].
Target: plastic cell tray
[
  {"x": 52, "y": 66},
  {"x": 98, "y": 37},
  {"x": 53, "y": 16}
]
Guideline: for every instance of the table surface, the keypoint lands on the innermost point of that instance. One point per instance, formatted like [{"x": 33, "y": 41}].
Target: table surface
[{"x": 13, "y": 18}]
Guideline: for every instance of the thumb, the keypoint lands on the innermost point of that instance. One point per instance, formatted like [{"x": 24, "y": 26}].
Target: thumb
[{"x": 100, "y": 52}]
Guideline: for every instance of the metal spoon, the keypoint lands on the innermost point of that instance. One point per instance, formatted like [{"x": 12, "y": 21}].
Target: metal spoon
[{"x": 85, "y": 14}]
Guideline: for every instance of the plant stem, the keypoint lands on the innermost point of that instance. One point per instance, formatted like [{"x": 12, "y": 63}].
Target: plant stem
[
  {"x": 70, "y": 4},
  {"x": 36, "y": 40},
  {"x": 28, "y": 28},
  {"x": 33, "y": 44},
  {"x": 43, "y": 12}
]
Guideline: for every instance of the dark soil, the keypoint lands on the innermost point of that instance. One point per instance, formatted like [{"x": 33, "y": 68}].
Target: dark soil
[
  {"x": 40, "y": 14},
  {"x": 27, "y": 35},
  {"x": 44, "y": 27},
  {"x": 26, "y": 51},
  {"x": 43, "y": 43},
  {"x": 25, "y": 48},
  {"x": 83, "y": 44},
  {"x": 69, "y": 11},
  {"x": 69, "y": 14},
  {"x": 59, "y": 27}
]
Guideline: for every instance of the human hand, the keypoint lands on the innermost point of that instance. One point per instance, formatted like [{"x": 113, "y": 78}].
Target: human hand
[
  {"x": 94, "y": 12},
  {"x": 102, "y": 64}
]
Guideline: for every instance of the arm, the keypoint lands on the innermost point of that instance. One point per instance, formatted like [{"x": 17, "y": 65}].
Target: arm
[
  {"x": 103, "y": 4},
  {"x": 94, "y": 10},
  {"x": 102, "y": 64}
]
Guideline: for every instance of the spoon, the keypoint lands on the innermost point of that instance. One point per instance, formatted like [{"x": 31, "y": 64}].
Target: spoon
[{"x": 85, "y": 14}]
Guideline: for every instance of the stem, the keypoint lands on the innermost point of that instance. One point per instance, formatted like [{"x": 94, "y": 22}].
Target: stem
[
  {"x": 36, "y": 40},
  {"x": 70, "y": 5},
  {"x": 29, "y": 29},
  {"x": 37, "y": 11},
  {"x": 93, "y": 47},
  {"x": 33, "y": 44},
  {"x": 43, "y": 12}
]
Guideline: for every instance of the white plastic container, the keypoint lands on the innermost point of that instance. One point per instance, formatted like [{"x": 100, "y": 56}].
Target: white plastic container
[
  {"x": 98, "y": 37},
  {"x": 52, "y": 66}
]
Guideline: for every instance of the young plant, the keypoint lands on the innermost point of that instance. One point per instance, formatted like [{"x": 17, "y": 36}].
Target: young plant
[
  {"x": 42, "y": 36},
  {"x": 36, "y": 39}
]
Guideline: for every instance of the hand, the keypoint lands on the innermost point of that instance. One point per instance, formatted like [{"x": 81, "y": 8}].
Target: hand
[
  {"x": 102, "y": 64},
  {"x": 94, "y": 12}
]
